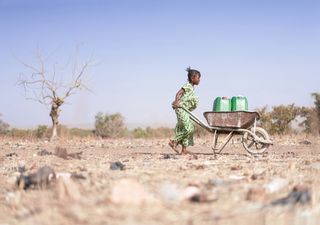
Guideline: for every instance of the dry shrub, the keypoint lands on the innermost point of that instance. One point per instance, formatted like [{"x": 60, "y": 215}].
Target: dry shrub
[
  {"x": 4, "y": 127},
  {"x": 109, "y": 125},
  {"x": 316, "y": 116},
  {"x": 160, "y": 132}
]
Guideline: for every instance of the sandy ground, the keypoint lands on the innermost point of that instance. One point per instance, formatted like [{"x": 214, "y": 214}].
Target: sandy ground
[{"x": 157, "y": 186}]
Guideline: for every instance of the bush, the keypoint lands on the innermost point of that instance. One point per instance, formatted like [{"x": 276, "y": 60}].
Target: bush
[
  {"x": 317, "y": 109},
  {"x": 265, "y": 118},
  {"x": 41, "y": 131},
  {"x": 160, "y": 132},
  {"x": 309, "y": 120},
  {"x": 109, "y": 125},
  {"x": 139, "y": 133},
  {"x": 279, "y": 120},
  {"x": 81, "y": 132},
  {"x": 4, "y": 127}
]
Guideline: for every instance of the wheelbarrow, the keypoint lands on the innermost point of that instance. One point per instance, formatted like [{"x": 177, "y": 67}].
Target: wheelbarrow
[{"x": 254, "y": 139}]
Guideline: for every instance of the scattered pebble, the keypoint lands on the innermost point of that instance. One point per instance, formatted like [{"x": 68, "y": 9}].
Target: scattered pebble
[
  {"x": 11, "y": 154},
  {"x": 299, "y": 194},
  {"x": 117, "y": 166},
  {"x": 41, "y": 178},
  {"x": 44, "y": 152}
]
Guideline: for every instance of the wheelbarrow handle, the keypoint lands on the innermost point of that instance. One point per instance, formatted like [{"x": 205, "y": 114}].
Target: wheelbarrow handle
[{"x": 196, "y": 119}]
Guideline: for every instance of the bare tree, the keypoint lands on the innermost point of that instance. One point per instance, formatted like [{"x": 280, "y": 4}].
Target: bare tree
[{"x": 43, "y": 86}]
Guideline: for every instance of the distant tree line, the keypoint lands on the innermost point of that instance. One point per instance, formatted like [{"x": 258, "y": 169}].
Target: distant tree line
[
  {"x": 281, "y": 119},
  {"x": 106, "y": 126}
]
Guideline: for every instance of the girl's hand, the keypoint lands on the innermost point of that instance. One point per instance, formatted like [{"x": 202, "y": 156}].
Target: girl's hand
[{"x": 175, "y": 104}]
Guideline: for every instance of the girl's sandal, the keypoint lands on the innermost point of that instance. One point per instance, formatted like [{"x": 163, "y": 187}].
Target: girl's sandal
[{"x": 173, "y": 145}]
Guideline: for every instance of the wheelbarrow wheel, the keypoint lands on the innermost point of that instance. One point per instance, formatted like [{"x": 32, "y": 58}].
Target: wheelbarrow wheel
[{"x": 252, "y": 144}]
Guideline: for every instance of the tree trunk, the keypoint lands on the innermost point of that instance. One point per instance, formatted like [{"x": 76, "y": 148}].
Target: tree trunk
[
  {"x": 55, "y": 123},
  {"x": 54, "y": 114}
]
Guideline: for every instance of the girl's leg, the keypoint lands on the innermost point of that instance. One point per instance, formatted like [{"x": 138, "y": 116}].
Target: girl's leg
[
  {"x": 188, "y": 137},
  {"x": 183, "y": 132},
  {"x": 184, "y": 150},
  {"x": 173, "y": 144},
  {"x": 184, "y": 128}
]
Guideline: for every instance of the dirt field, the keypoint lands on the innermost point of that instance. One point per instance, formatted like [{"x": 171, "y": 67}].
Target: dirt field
[{"x": 157, "y": 186}]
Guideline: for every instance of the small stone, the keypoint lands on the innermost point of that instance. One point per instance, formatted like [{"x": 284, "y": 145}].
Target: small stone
[
  {"x": 12, "y": 154},
  {"x": 117, "y": 166},
  {"x": 256, "y": 194},
  {"x": 258, "y": 175},
  {"x": 305, "y": 142},
  {"x": 299, "y": 194},
  {"x": 236, "y": 167},
  {"x": 194, "y": 194},
  {"x": 190, "y": 192},
  {"x": 43, "y": 153},
  {"x": 306, "y": 162},
  {"x": 41, "y": 178},
  {"x": 166, "y": 156},
  {"x": 192, "y": 157},
  {"x": 78, "y": 176},
  {"x": 254, "y": 177}
]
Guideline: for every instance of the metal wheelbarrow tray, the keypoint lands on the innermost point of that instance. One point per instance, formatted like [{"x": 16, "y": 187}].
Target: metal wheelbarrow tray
[{"x": 237, "y": 119}]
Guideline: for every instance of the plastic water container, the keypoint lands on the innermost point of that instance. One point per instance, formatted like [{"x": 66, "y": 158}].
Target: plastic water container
[
  {"x": 239, "y": 103},
  {"x": 222, "y": 104}
]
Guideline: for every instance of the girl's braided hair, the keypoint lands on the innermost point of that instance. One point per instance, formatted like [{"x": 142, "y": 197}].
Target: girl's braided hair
[{"x": 192, "y": 73}]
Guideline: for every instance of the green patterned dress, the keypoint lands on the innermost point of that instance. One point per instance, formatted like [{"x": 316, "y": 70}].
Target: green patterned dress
[{"x": 184, "y": 128}]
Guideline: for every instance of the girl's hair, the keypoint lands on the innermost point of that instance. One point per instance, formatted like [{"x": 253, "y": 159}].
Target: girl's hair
[{"x": 192, "y": 73}]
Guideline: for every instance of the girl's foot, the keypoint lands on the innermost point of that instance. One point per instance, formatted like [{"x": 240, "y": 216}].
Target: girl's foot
[
  {"x": 185, "y": 151},
  {"x": 173, "y": 145}
]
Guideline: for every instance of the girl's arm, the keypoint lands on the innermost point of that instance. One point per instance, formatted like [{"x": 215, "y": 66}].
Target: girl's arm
[{"x": 175, "y": 104}]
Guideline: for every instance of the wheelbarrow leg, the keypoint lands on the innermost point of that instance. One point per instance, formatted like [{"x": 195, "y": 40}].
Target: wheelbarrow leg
[
  {"x": 224, "y": 143},
  {"x": 214, "y": 144}
]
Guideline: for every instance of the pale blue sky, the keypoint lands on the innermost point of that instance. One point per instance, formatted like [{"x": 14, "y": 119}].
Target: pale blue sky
[{"x": 268, "y": 51}]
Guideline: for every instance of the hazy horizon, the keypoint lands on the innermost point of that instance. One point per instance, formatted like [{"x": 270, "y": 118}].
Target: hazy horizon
[{"x": 266, "y": 51}]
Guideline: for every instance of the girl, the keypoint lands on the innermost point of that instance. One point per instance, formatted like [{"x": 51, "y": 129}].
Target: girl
[{"x": 186, "y": 98}]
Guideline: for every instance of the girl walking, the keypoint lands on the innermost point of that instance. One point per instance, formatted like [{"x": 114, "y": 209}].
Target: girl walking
[{"x": 187, "y": 99}]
